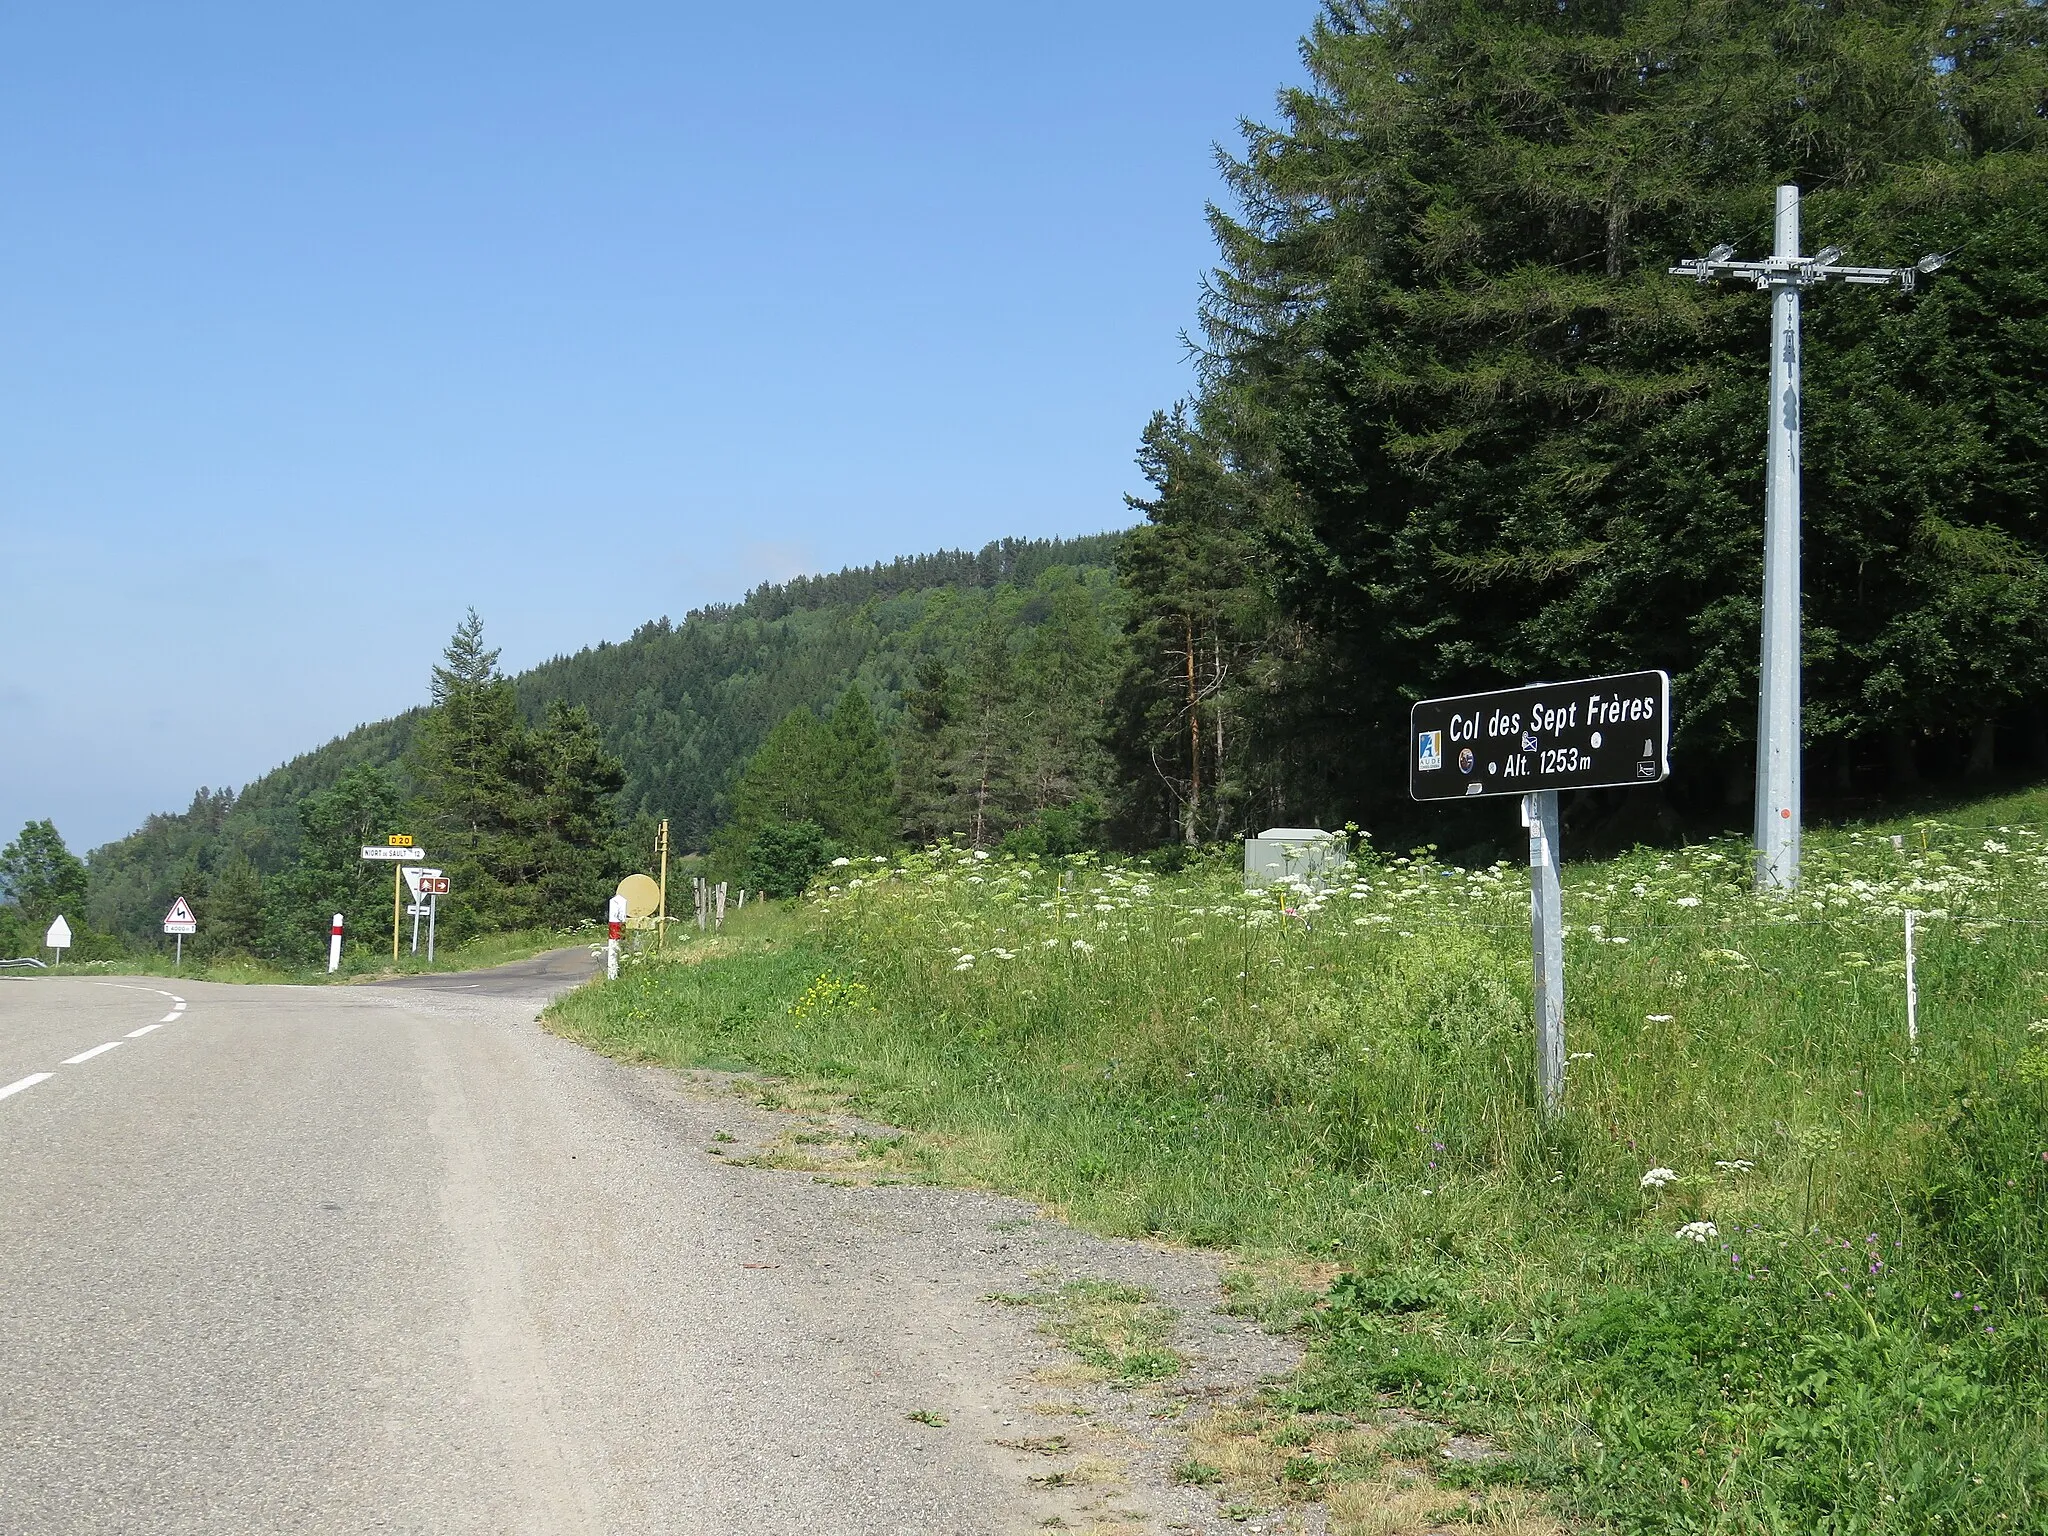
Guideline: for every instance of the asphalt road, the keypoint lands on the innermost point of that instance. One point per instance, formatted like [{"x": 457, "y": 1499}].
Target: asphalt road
[{"x": 393, "y": 1258}]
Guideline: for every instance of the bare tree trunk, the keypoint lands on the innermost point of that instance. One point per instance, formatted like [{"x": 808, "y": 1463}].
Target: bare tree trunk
[
  {"x": 981, "y": 789},
  {"x": 1190, "y": 829},
  {"x": 2036, "y": 725},
  {"x": 1983, "y": 751},
  {"x": 1905, "y": 768},
  {"x": 1217, "y": 652}
]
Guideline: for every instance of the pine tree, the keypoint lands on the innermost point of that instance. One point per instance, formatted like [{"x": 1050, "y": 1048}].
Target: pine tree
[
  {"x": 1474, "y": 434},
  {"x": 988, "y": 729},
  {"x": 473, "y": 761},
  {"x": 858, "y": 813},
  {"x": 574, "y": 820},
  {"x": 929, "y": 755},
  {"x": 231, "y": 915},
  {"x": 785, "y": 782}
]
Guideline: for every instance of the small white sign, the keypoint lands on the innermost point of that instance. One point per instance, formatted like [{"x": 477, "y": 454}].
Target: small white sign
[
  {"x": 379, "y": 851},
  {"x": 59, "y": 936},
  {"x": 417, "y": 878},
  {"x": 180, "y": 919},
  {"x": 616, "y": 909}
]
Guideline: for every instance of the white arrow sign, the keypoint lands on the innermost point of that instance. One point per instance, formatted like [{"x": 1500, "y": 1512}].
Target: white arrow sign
[
  {"x": 180, "y": 919},
  {"x": 379, "y": 851},
  {"x": 59, "y": 936}
]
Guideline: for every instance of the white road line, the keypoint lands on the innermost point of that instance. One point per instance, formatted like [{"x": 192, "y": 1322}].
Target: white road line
[
  {"x": 178, "y": 1000},
  {"x": 85, "y": 1056},
  {"x": 170, "y": 1018},
  {"x": 137, "y": 1034},
  {"x": 27, "y": 1082}
]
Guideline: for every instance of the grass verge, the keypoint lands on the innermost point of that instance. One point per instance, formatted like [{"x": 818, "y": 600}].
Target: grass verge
[
  {"x": 1771, "y": 1269},
  {"x": 478, "y": 954}
]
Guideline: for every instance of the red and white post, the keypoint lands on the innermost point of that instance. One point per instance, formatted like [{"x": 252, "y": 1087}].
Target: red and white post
[
  {"x": 334, "y": 946},
  {"x": 615, "y": 917}
]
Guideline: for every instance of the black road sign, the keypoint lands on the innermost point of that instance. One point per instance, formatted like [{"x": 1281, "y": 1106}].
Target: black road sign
[{"x": 1594, "y": 734}]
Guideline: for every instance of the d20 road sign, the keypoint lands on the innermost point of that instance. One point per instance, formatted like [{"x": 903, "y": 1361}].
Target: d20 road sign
[
  {"x": 372, "y": 851},
  {"x": 1600, "y": 733},
  {"x": 179, "y": 919},
  {"x": 423, "y": 882}
]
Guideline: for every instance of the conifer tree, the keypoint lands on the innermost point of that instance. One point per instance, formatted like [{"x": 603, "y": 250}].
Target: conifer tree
[
  {"x": 988, "y": 729},
  {"x": 929, "y": 755},
  {"x": 231, "y": 914},
  {"x": 858, "y": 813},
  {"x": 1475, "y": 435}
]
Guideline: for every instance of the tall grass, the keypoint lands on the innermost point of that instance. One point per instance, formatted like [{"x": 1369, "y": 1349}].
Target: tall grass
[{"x": 1848, "y": 1334}]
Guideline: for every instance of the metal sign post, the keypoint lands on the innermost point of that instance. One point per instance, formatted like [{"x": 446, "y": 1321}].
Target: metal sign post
[
  {"x": 1600, "y": 733},
  {"x": 426, "y": 886},
  {"x": 180, "y": 921},
  {"x": 1785, "y": 275},
  {"x": 1546, "y": 934}
]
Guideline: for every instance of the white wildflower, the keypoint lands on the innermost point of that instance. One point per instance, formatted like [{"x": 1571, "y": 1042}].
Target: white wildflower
[
  {"x": 1697, "y": 1232},
  {"x": 841, "y": 863},
  {"x": 1657, "y": 1018},
  {"x": 1582, "y": 1056},
  {"x": 1735, "y": 1165},
  {"x": 1687, "y": 901},
  {"x": 1657, "y": 1178}
]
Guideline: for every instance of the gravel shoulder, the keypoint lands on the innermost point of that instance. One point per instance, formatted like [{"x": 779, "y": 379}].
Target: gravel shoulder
[{"x": 778, "y": 1327}]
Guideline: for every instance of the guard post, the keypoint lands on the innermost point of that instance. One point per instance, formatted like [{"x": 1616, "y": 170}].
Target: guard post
[{"x": 1599, "y": 733}]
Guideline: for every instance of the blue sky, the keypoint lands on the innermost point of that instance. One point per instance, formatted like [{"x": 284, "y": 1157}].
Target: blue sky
[{"x": 320, "y": 324}]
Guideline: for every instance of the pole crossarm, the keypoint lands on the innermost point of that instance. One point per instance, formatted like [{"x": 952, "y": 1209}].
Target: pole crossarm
[{"x": 1802, "y": 271}]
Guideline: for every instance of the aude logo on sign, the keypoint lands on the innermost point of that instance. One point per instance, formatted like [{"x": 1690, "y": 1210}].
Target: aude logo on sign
[{"x": 1597, "y": 733}]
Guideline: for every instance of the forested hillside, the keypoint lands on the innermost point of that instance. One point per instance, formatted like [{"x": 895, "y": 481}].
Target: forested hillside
[
  {"x": 1456, "y": 426},
  {"x": 681, "y": 706}
]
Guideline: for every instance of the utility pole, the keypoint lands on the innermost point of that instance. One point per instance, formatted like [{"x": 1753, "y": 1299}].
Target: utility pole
[
  {"x": 661, "y": 915},
  {"x": 1785, "y": 275}
]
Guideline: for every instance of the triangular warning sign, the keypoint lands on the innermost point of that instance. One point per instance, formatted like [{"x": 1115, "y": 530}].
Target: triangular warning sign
[{"x": 179, "y": 913}]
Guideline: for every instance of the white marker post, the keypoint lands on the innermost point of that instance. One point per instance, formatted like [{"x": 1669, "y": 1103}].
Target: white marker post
[
  {"x": 180, "y": 921},
  {"x": 615, "y": 916},
  {"x": 58, "y": 938},
  {"x": 1912, "y": 992},
  {"x": 334, "y": 946}
]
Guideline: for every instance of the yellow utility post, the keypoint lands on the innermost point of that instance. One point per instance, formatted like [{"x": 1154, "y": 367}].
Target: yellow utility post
[
  {"x": 396, "y": 840},
  {"x": 661, "y": 921}
]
